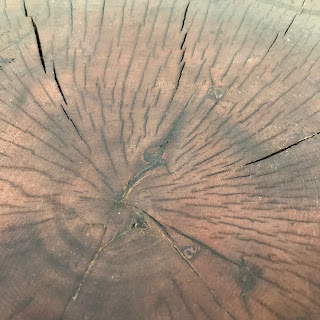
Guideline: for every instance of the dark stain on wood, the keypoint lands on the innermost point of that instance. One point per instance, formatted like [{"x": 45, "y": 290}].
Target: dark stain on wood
[{"x": 248, "y": 276}]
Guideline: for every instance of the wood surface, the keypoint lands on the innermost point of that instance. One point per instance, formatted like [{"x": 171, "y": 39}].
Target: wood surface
[{"x": 159, "y": 159}]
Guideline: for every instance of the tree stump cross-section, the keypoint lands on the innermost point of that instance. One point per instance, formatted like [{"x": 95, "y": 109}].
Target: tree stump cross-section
[{"x": 159, "y": 159}]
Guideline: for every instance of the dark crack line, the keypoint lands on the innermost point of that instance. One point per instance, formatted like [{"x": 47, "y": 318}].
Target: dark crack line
[
  {"x": 174, "y": 93},
  {"x": 283, "y": 149},
  {"x": 185, "y": 15},
  {"x": 58, "y": 84},
  {"x": 204, "y": 246},
  {"x": 212, "y": 251},
  {"x": 182, "y": 56},
  {"x": 39, "y": 45},
  {"x": 174, "y": 245},
  {"x": 74, "y": 125},
  {"x": 132, "y": 182},
  {"x": 158, "y": 160},
  {"x": 35, "y": 29},
  {"x": 84, "y": 277},
  {"x": 183, "y": 41},
  {"x": 180, "y": 74},
  {"x": 181, "y": 67},
  {"x": 25, "y": 8},
  {"x": 290, "y": 24},
  {"x": 275, "y": 39},
  {"x": 91, "y": 264}
]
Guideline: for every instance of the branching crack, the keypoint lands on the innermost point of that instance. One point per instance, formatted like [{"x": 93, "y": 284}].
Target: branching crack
[
  {"x": 158, "y": 161},
  {"x": 153, "y": 156},
  {"x": 35, "y": 29},
  {"x": 175, "y": 247},
  {"x": 284, "y": 149}
]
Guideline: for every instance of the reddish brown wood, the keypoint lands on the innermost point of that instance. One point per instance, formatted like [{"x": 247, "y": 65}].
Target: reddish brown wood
[{"x": 159, "y": 159}]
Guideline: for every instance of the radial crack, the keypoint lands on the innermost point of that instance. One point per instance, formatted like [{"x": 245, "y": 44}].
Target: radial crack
[
  {"x": 182, "y": 56},
  {"x": 74, "y": 125},
  {"x": 35, "y": 29},
  {"x": 276, "y": 37},
  {"x": 25, "y": 8},
  {"x": 181, "y": 68},
  {"x": 283, "y": 149},
  {"x": 204, "y": 246},
  {"x": 58, "y": 84},
  {"x": 132, "y": 182},
  {"x": 185, "y": 15},
  {"x": 84, "y": 277},
  {"x": 290, "y": 24},
  {"x": 183, "y": 41},
  {"x": 153, "y": 155},
  {"x": 174, "y": 245},
  {"x": 180, "y": 74},
  {"x": 91, "y": 265}
]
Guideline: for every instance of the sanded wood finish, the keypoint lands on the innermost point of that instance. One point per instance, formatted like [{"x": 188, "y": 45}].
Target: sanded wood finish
[{"x": 159, "y": 159}]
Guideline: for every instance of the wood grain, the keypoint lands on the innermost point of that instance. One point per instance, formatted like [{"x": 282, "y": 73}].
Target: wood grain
[{"x": 159, "y": 159}]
